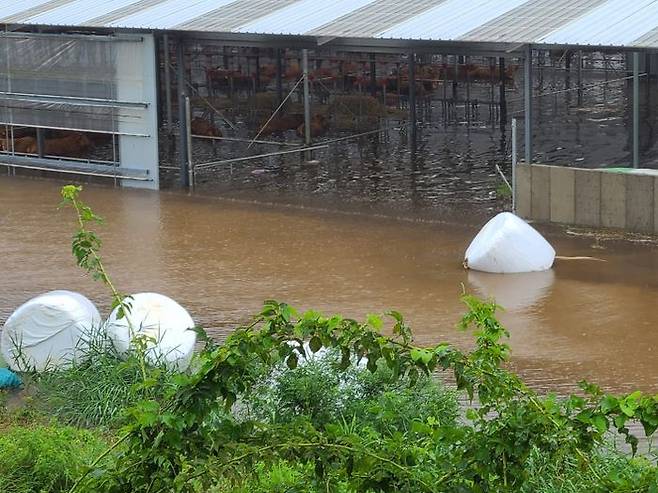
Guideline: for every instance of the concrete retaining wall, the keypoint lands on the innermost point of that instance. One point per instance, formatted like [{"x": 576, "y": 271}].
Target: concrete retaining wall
[{"x": 602, "y": 198}]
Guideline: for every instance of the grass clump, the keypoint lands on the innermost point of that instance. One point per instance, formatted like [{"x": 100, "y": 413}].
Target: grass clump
[
  {"x": 95, "y": 390},
  {"x": 45, "y": 458},
  {"x": 602, "y": 471}
]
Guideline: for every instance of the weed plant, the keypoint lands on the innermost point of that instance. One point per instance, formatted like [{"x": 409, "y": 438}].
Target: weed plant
[
  {"x": 95, "y": 390},
  {"x": 39, "y": 458}
]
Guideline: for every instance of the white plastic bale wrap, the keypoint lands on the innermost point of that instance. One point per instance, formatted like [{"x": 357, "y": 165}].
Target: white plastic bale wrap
[
  {"x": 509, "y": 245},
  {"x": 48, "y": 332},
  {"x": 160, "y": 319}
]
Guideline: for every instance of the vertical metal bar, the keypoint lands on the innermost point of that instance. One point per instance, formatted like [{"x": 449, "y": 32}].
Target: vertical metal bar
[
  {"x": 41, "y": 142},
  {"x": 307, "y": 102},
  {"x": 636, "y": 109},
  {"x": 514, "y": 161},
  {"x": 373, "y": 75},
  {"x": 182, "y": 117},
  {"x": 188, "y": 138},
  {"x": 502, "y": 95},
  {"x": 467, "y": 105},
  {"x": 580, "y": 77},
  {"x": 279, "y": 75},
  {"x": 455, "y": 79},
  {"x": 257, "y": 70},
  {"x": 412, "y": 94},
  {"x": 167, "y": 81},
  {"x": 527, "y": 93}
]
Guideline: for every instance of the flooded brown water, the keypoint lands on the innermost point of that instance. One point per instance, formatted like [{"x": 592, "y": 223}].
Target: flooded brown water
[{"x": 221, "y": 258}]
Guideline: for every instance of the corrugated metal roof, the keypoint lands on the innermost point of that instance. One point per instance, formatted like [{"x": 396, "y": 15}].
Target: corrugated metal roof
[
  {"x": 375, "y": 18},
  {"x": 234, "y": 15},
  {"x": 614, "y": 23},
  {"x": 452, "y": 19},
  {"x": 303, "y": 16},
  {"x": 649, "y": 39},
  {"x": 532, "y": 20}
]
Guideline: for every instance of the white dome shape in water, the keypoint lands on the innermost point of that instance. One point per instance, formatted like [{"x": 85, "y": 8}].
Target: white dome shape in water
[
  {"x": 164, "y": 321},
  {"x": 49, "y": 331},
  {"x": 509, "y": 245}
]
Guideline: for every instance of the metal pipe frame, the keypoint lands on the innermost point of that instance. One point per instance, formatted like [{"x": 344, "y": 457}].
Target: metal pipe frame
[
  {"x": 75, "y": 172},
  {"x": 279, "y": 75},
  {"x": 412, "y": 94},
  {"x": 182, "y": 117},
  {"x": 636, "y": 109},
  {"x": 212, "y": 164},
  {"x": 69, "y": 100},
  {"x": 188, "y": 142},
  {"x": 307, "y": 100},
  {"x": 527, "y": 94},
  {"x": 167, "y": 82}
]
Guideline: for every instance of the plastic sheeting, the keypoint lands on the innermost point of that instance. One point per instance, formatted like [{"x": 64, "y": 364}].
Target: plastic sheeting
[
  {"x": 507, "y": 245},
  {"x": 48, "y": 331},
  {"x": 8, "y": 379},
  {"x": 160, "y": 319},
  {"x": 68, "y": 82}
]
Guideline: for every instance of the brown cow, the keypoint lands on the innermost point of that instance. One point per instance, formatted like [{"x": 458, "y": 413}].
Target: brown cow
[
  {"x": 280, "y": 124},
  {"x": 23, "y": 144},
  {"x": 74, "y": 144},
  {"x": 203, "y": 127},
  {"x": 319, "y": 126}
]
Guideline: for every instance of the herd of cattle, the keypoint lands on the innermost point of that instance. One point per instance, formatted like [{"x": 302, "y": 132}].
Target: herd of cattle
[
  {"x": 58, "y": 143},
  {"x": 389, "y": 87}
]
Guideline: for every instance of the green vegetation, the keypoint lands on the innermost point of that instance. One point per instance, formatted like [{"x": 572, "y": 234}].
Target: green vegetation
[
  {"x": 307, "y": 403},
  {"x": 45, "y": 458},
  {"x": 95, "y": 391}
]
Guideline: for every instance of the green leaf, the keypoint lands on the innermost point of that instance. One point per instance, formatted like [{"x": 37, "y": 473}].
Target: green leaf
[
  {"x": 292, "y": 361},
  {"x": 629, "y": 404},
  {"x": 375, "y": 321},
  {"x": 609, "y": 403},
  {"x": 620, "y": 421},
  {"x": 600, "y": 423},
  {"x": 315, "y": 344}
]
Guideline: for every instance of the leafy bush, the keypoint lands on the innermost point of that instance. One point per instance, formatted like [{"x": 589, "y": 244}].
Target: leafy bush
[
  {"x": 319, "y": 390},
  {"x": 45, "y": 458}
]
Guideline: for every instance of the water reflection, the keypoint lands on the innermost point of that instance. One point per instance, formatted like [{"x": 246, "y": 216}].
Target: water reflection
[{"x": 514, "y": 292}]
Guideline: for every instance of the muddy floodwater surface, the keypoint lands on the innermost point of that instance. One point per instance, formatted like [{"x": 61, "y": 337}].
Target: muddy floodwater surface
[{"x": 221, "y": 258}]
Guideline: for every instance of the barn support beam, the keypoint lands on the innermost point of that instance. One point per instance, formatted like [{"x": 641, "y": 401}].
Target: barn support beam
[
  {"x": 279, "y": 75},
  {"x": 307, "y": 103},
  {"x": 636, "y": 109},
  {"x": 182, "y": 116},
  {"x": 167, "y": 82},
  {"x": 412, "y": 95},
  {"x": 527, "y": 94}
]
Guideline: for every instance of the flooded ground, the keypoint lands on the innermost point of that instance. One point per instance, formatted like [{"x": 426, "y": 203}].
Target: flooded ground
[
  {"x": 221, "y": 258},
  {"x": 449, "y": 167}
]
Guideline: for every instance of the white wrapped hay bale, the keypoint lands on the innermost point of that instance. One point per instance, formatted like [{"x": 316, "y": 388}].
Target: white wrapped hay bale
[
  {"x": 509, "y": 245},
  {"x": 48, "y": 331},
  {"x": 163, "y": 321}
]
